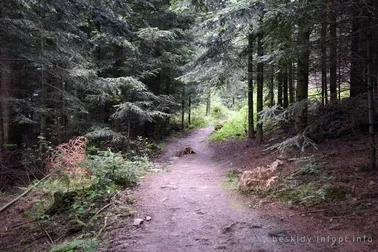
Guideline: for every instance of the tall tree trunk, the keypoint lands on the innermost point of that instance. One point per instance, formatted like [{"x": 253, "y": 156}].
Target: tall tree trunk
[
  {"x": 251, "y": 124},
  {"x": 279, "y": 87},
  {"x": 189, "y": 110},
  {"x": 271, "y": 87},
  {"x": 62, "y": 117},
  {"x": 371, "y": 102},
  {"x": 323, "y": 44},
  {"x": 1, "y": 126},
  {"x": 291, "y": 82},
  {"x": 260, "y": 85},
  {"x": 303, "y": 71},
  {"x": 339, "y": 77},
  {"x": 333, "y": 55},
  {"x": 5, "y": 86},
  {"x": 358, "y": 52},
  {"x": 285, "y": 87},
  {"x": 183, "y": 109},
  {"x": 208, "y": 102}
]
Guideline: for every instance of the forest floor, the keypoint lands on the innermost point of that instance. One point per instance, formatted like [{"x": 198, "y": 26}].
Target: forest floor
[
  {"x": 189, "y": 208},
  {"x": 192, "y": 206}
]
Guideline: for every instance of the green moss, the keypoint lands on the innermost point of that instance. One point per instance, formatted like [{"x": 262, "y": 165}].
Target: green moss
[{"x": 300, "y": 195}]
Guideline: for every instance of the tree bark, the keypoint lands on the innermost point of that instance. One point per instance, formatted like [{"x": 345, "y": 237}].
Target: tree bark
[
  {"x": 371, "y": 103},
  {"x": 271, "y": 87},
  {"x": 291, "y": 82},
  {"x": 260, "y": 85},
  {"x": 285, "y": 87},
  {"x": 189, "y": 110},
  {"x": 183, "y": 109},
  {"x": 1, "y": 125},
  {"x": 323, "y": 38},
  {"x": 303, "y": 71},
  {"x": 279, "y": 87},
  {"x": 5, "y": 86},
  {"x": 251, "y": 127},
  {"x": 333, "y": 55},
  {"x": 208, "y": 102},
  {"x": 357, "y": 71}
]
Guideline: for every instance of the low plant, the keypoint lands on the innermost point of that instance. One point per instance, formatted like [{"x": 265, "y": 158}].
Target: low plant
[
  {"x": 113, "y": 168},
  {"x": 232, "y": 179},
  {"x": 76, "y": 245},
  {"x": 219, "y": 111},
  {"x": 76, "y": 202},
  {"x": 234, "y": 128}
]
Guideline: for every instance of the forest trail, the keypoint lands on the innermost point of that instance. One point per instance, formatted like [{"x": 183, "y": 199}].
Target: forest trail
[{"x": 192, "y": 212}]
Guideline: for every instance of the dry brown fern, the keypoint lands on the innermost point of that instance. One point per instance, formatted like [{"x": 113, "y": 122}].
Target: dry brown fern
[{"x": 70, "y": 159}]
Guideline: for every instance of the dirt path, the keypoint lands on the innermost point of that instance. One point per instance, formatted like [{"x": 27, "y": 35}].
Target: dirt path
[{"x": 191, "y": 211}]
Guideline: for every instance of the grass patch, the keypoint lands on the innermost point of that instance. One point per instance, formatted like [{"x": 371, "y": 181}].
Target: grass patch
[
  {"x": 200, "y": 121},
  {"x": 234, "y": 128},
  {"x": 316, "y": 93},
  {"x": 303, "y": 194},
  {"x": 232, "y": 179}
]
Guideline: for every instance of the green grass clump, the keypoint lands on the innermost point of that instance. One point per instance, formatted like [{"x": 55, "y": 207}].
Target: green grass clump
[
  {"x": 200, "y": 121},
  {"x": 76, "y": 245},
  {"x": 232, "y": 179},
  {"x": 234, "y": 128}
]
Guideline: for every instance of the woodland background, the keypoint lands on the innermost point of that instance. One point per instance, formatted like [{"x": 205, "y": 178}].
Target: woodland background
[{"x": 126, "y": 74}]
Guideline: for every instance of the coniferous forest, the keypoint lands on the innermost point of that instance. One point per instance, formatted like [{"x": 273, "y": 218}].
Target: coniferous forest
[{"x": 95, "y": 95}]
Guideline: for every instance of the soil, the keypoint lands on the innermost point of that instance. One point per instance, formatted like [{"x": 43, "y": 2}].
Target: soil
[{"x": 191, "y": 210}]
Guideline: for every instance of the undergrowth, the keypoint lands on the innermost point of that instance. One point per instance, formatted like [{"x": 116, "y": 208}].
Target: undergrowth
[
  {"x": 234, "y": 128},
  {"x": 232, "y": 179},
  {"x": 75, "y": 204},
  {"x": 307, "y": 185}
]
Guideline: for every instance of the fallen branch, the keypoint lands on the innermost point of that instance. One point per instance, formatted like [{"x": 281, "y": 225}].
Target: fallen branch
[
  {"x": 23, "y": 194},
  {"x": 105, "y": 223},
  {"x": 47, "y": 234},
  {"x": 103, "y": 208}
]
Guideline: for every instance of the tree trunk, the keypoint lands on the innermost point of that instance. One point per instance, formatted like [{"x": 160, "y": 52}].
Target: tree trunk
[
  {"x": 260, "y": 85},
  {"x": 371, "y": 103},
  {"x": 357, "y": 71},
  {"x": 251, "y": 127},
  {"x": 183, "y": 109},
  {"x": 5, "y": 86},
  {"x": 323, "y": 44},
  {"x": 279, "y": 87},
  {"x": 189, "y": 110},
  {"x": 333, "y": 55},
  {"x": 1, "y": 125},
  {"x": 271, "y": 87},
  {"x": 339, "y": 77},
  {"x": 291, "y": 82},
  {"x": 62, "y": 117},
  {"x": 208, "y": 102},
  {"x": 285, "y": 87},
  {"x": 303, "y": 70}
]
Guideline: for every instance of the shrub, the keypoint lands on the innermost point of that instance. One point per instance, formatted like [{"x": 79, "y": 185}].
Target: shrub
[{"x": 113, "y": 168}]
